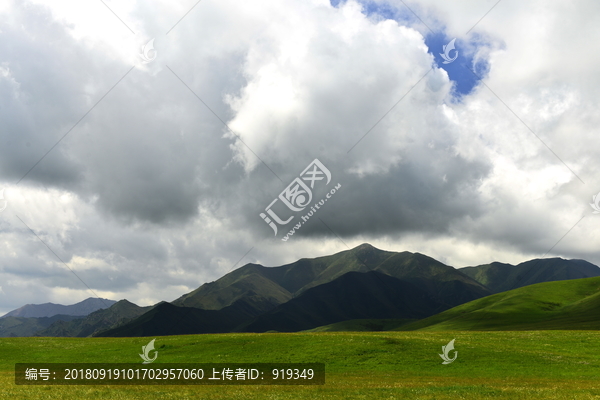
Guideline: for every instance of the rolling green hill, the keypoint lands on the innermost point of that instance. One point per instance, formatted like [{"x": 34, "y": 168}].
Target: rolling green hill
[
  {"x": 571, "y": 304},
  {"x": 499, "y": 277}
]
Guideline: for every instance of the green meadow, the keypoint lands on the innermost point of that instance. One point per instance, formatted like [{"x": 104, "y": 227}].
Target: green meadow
[
  {"x": 573, "y": 304},
  {"x": 359, "y": 365}
]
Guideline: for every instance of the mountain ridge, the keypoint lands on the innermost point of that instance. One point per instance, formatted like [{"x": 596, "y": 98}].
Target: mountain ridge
[
  {"x": 325, "y": 290},
  {"x": 116, "y": 315},
  {"x": 82, "y": 308},
  {"x": 282, "y": 283},
  {"x": 499, "y": 277}
]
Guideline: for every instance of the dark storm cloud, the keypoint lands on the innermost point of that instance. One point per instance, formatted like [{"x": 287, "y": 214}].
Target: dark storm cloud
[{"x": 151, "y": 195}]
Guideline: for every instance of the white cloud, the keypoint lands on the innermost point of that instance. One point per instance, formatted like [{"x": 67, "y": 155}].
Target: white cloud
[{"x": 149, "y": 195}]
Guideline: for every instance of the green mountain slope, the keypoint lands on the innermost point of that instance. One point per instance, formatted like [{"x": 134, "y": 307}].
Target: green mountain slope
[
  {"x": 568, "y": 304},
  {"x": 499, "y": 277},
  {"x": 354, "y": 295},
  {"x": 119, "y": 313},
  {"x": 280, "y": 284},
  {"x": 250, "y": 280}
]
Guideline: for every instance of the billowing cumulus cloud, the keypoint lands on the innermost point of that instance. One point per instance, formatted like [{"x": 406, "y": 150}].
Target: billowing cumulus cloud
[{"x": 161, "y": 169}]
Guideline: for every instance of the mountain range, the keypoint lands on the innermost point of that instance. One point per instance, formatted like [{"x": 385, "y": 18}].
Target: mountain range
[
  {"x": 363, "y": 288},
  {"x": 32, "y": 319},
  {"x": 84, "y": 307},
  {"x": 281, "y": 284},
  {"x": 118, "y": 314},
  {"x": 314, "y": 292}
]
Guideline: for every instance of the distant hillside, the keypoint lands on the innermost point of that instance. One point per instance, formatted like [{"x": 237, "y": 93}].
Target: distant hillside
[
  {"x": 280, "y": 284},
  {"x": 50, "y": 309},
  {"x": 167, "y": 319},
  {"x": 119, "y": 313},
  {"x": 499, "y": 277},
  {"x": 352, "y": 296},
  {"x": 25, "y": 327},
  {"x": 569, "y": 304}
]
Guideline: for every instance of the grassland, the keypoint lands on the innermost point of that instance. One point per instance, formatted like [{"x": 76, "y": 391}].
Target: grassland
[
  {"x": 359, "y": 365},
  {"x": 573, "y": 304}
]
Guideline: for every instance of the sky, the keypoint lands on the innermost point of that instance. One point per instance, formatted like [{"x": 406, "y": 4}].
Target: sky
[{"x": 142, "y": 141}]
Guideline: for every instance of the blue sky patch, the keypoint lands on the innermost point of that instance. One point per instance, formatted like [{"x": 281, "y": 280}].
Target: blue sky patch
[{"x": 459, "y": 70}]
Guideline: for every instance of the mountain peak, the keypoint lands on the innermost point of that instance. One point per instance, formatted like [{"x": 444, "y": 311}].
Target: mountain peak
[{"x": 365, "y": 246}]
